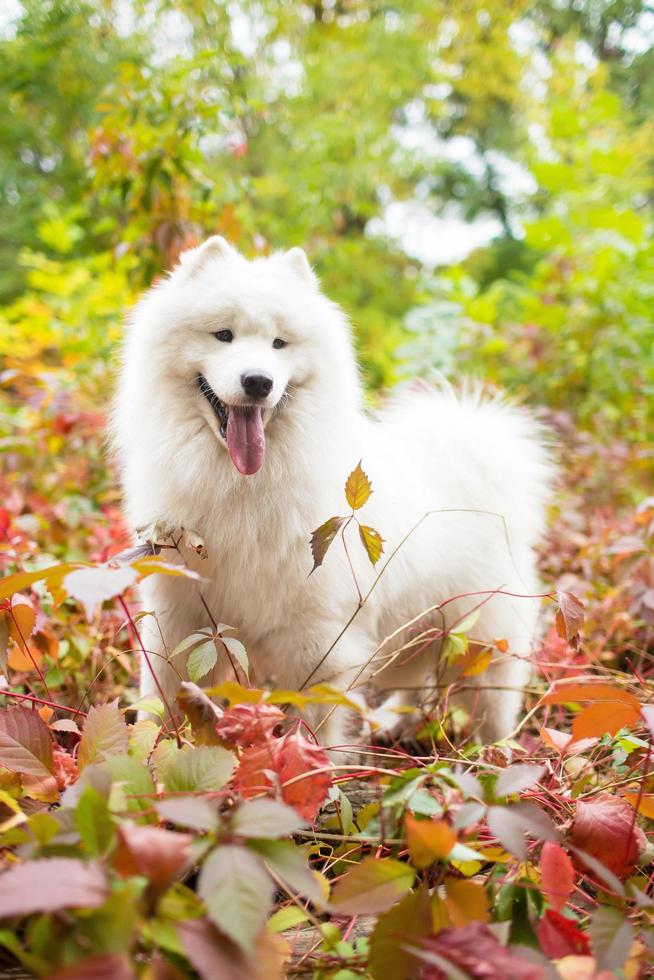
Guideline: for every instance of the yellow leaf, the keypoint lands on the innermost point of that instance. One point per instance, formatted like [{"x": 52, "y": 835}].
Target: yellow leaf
[
  {"x": 466, "y": 901},
  {"x": 440, "y": 916},
  {"x": 322, "y": 538},
  {"x": 476, "y": 660},
  {"x": 357, "y": 488},
  {"x": 372, "y": 541},
  {"x": 428, "y": 840}
]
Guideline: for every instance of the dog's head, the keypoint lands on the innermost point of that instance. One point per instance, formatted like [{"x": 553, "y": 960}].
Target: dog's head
[{"x": 244, "y": 338}]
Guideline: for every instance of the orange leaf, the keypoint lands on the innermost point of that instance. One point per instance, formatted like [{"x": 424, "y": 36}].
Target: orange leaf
[
  {"x": 466, "y": 901},
  {"x": 428, "y": 840},
  {"x": 605, "y": 717},
  {"x": 476, "y": 661},
  {"x": 21, "y": 620},
  {"x": 589, "y": 689},
  {"x": 554, "y": 740},
  {"x": 501, "y": 645},
  {"x": 46, "y": 713},
  {"x": 644, "y": 804}
]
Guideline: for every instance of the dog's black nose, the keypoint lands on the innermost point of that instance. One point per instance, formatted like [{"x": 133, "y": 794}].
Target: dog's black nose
[{"x": 256, "y": 385}]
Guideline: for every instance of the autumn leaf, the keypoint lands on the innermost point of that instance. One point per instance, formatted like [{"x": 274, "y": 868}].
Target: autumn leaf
[
  {"x": 51, "y": 884},
  {"x": 407, "y": 921},
  {"x": 248, "y": 724},
  {"x": 278, "y": 766},
  {"x": 461, "y": 952},
  {"x": 517, "y": 778},
  {"x": 605, "y": 717},
  {"x": 603, "y": 827},
  {"x": 201, "y": 711},
  {"x": 105, "y": 733},
  {"x": 372, "y": 541},
  {"x": 556, "y": 874},
  {"x": 92, "y": 586},
  {"x": 587, "y": 689},
  {"x": 466, "y": 901},
  {"x": 322, "y": 538},
  {"x": 159, "y": 855},
  {"x": 428, "y": 840},
  {"x": 559, "y": 936},
  {"x": 569, "y": 617},
  {"x": 357, "y": 488},
  {"x": 25, "y": 743},
  {"x": 372, "y": 886},
  {"x": 643, "y": 803}
]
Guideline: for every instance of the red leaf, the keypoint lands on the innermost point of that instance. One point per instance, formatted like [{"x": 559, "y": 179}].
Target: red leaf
[
  {"x": 159, "y": 855},
  {"x": 557, "y": 875},
  {"x": 249, "y": 724},
  {"x": 604, "y": 828},
  {"x": 569, "y": 617},
  {"x": 64, "y": 767},
  {"x": 276, "y": 768},
  {"x": 475, "y": 950},
  {"x": 51, "y": 884},
  {"x": 25, "y": 743},
  {"x": 559, "y": 937}
]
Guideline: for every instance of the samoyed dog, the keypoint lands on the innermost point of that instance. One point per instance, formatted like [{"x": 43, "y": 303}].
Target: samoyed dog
[{"x": 239, "y": 416}]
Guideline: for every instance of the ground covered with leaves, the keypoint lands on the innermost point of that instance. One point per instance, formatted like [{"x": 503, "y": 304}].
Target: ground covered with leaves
[{"x": 227, "y": 843}]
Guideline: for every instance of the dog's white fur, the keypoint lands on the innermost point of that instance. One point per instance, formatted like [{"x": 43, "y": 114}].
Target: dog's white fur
[{"x": 478, "y": 468}]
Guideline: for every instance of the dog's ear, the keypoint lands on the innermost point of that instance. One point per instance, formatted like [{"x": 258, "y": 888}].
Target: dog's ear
[
  {"x": 296, "y": 260},
  {"x": 195, "y": 259}
]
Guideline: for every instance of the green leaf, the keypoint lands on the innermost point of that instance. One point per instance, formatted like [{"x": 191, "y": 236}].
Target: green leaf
[
  {"x": 94, "y": 822},
  {"x": 237, "y": 651},
  {"x": 189, "y": 811},
  {"x": 135, "y": 780},
  {"x": 357, "y": 488},
  {"x": 204, "y": 769},
  {"x": 191, "y": 641},
  {"x": 408, "y": 921},
  {"x": 264, "y": 818},
  {"x": 201, "y": 660},
  {"x": 105, "y": 733},
  {"x": 372, "y": 541},
  {"x": 286, "y": 918},
  {"x": 322, "y": 538},
  {"x": 237, "y": 891},
  {"x": 611, "y": 937},
  {"x": 289, "y": 863},
  {"x": 371, "y": 886}
]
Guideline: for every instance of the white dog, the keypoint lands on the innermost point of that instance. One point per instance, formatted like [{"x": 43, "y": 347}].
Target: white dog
[{"x": 240, "y": 414}]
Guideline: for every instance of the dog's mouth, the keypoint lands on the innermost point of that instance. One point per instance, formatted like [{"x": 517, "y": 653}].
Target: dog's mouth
[{"x": 241, "y": 426}]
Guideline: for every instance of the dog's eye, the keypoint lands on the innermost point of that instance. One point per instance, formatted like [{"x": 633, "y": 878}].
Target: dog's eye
[
  {"x": 278, "y": 343},
  {"x": 225, "y": 335}
]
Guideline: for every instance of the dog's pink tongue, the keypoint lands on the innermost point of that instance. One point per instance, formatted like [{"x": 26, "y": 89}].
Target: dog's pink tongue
[{"x": 246, "y": 442}]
